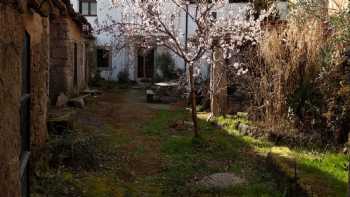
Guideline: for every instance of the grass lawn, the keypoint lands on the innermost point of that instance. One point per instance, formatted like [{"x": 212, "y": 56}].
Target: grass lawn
[
  {"x": 187, "y": 160},
  {"x": 324, "y": 173}
]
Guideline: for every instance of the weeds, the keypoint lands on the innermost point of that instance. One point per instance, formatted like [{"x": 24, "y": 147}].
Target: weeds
[{"x": 74, "y": 150}]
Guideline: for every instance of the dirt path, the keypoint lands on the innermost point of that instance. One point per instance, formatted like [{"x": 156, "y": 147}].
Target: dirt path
[{"x": 121, "y": 114}]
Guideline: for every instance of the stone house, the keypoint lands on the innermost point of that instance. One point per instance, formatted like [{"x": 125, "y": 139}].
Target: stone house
[
  {"x": 24, "y": 64},
  {"x": 132, "y": 59},
  {"x": 71, "y": 43},
  {"x": 25, "y": 57}
]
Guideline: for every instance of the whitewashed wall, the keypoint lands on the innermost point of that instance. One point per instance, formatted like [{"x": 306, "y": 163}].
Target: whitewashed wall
[{"x": 127, "y": 59}]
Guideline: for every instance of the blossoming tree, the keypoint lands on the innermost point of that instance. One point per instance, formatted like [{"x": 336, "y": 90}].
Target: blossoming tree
[{"x": 154, "y": 23}]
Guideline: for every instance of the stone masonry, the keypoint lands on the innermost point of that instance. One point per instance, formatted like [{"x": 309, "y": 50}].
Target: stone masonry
[
  {"x": 68, "y": 47},
  {"x": 15, "y": 20}
]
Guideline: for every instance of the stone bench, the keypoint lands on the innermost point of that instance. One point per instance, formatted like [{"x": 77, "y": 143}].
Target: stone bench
[{"x": 150, "y": 95}]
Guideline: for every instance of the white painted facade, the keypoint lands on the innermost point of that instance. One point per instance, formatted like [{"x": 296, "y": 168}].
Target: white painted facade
[{"x": 127, "y": 58}]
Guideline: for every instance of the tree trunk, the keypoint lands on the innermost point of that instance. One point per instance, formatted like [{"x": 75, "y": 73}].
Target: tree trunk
[
  {"x": 193, "y": 101},
  {"x": 218, "y": 84}
]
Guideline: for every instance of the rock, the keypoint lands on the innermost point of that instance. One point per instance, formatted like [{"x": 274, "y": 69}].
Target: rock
[
  {"x": 242, "y": 115},
  {"x": 188, "y": 123},
  {"x": 77, "y": 102},
  {"x": 248, "y": 130},
  {"x": 220, "y": 181},
  {"x": 243, "y": 129},
  {"x": 210, "y": 117},
  {"x": 62, "y": 100},
  {"x": 92, "y": 92},
  {"x": 178, "y": 125}
]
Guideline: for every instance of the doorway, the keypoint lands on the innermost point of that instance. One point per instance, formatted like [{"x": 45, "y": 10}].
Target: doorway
[
  {"x": 25, "y": 117},
  {"x": 145, "y": 64},
  {"x": 75, "y": 59}
]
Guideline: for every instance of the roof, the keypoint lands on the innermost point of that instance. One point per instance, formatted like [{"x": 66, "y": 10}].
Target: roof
[
  {"x": 45, "y": 8},
  {"x": 79, "y": 19}
]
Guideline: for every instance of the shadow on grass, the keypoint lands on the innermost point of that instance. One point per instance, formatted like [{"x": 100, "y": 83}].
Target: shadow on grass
[
  {"x": 320, "y": 183},
  {"x": 318, "y": 173},
  {"x": 186, "y": 160}
]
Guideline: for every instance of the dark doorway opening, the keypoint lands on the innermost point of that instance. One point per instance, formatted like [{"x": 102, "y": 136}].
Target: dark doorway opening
[
  {"x": 25, "y": 117},
  {"x": 145, "y": 64}
]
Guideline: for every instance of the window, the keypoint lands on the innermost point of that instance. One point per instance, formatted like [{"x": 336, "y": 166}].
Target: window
[
  {"x": 88, "y": 7},
  {"x": 214, "y": 15},
  {"x": 103, "y": 57}
]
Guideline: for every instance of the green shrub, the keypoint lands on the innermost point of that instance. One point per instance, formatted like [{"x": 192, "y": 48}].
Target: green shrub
[
  {"x": 123, "y": 77},
  {"x": 166, "y": 66}
]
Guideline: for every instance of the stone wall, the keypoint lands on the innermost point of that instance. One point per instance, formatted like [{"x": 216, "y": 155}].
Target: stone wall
[
  {"x": 38, "y": 29},
  {"x": 13, "y": 25},
  {"x": 11, "y": 38},
  {"x": 91, "y": 60},
  {"x": 65, "y": 35},
  {"x": 59, "y": 57}
]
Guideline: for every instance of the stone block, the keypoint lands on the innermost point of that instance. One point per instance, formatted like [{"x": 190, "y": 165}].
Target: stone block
[{"x": 62, "y": 100}]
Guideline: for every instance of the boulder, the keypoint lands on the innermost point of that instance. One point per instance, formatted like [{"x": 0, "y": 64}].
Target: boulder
[
  {"x": 248, "y": 130},
  {"x": 92, "y": 92},
  {"x": 220, "y": 181},
  {"x": 62, "y": 100},
  {"x": 77, "y": 102}
]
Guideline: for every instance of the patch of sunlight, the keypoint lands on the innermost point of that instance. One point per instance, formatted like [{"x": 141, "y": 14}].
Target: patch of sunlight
[
  {"x": 331, "y": 163},
  {"x": 203, "y": 115},
  {"x": 259, "y": 145},
  {"x": 326, "y": 171},
  {"x": 230, "y": 124},
  {"x": 282, "y": 151}
]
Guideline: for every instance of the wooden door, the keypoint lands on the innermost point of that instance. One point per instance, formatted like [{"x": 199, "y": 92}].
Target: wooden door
[
  {"x": 149, "y": 64},
  {"x": 145, "y": 64}
]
